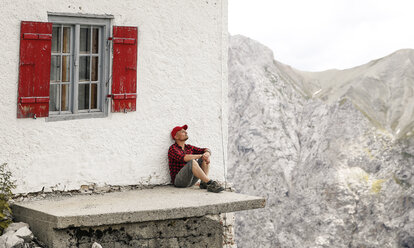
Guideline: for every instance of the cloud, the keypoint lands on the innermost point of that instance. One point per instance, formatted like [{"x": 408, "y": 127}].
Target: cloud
[{"x": 321, "y": 34}]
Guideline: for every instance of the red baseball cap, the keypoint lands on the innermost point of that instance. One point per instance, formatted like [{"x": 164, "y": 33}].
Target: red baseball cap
[{"x": 176, "y": 129}]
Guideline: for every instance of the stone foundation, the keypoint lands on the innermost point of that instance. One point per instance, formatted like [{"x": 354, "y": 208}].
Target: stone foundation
[
  {"x": 188, "y": 232},
  {"x": 227, "y": 220}
]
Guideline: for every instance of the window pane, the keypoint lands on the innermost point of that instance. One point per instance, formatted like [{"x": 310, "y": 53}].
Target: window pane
[
  {"x": 66, "y": 39},
  {"x": 85, "y": 40},
  {"x": 84, "y": 68},
  {"x": 65, "y": 97},
  {"x": 54, "y": 97},
  {"x": 94, "y": 96},
  {"x": 95, "y": 68},
  {"x": 65, "y": 68},
  {"x": 83, "y": 97},
  {"x": 55, "y": 68},
  {"x": 95, "y": 40},
  {"x": 56, "y": 40}
]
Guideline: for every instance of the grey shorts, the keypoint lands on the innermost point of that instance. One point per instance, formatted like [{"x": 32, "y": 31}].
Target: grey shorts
[{"x": 185, "y": 178}]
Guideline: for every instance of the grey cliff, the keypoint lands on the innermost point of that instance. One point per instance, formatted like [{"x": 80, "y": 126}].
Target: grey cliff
[{"x": 332, "y": 152}]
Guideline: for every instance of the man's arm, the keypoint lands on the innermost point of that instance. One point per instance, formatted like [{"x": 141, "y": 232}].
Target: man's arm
[
  {"x": 198, "y": 153},
  {"x": 189, "y": 157},
  {"x": 204, "y": 152},
  {"x": 176, "y": 155},
  {"x": 198, "y": 150}
]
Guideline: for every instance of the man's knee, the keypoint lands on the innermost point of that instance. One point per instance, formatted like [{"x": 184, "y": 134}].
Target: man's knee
[{"x": 195, "y": 163}]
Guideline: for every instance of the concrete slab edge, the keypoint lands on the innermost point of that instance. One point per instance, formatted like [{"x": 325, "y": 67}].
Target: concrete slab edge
[
  {"x": 62, "y": 222},
  {"x": 165, "y": 214}
]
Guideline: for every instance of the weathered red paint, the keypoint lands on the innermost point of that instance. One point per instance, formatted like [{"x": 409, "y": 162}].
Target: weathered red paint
[
  {"x": 124, "y": 69},
  {"x": 34, "y": 69}
]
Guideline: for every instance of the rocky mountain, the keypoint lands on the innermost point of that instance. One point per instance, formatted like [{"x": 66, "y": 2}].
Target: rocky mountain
[
  {"x": 331, "y": 151},
  {"x": 382, "y": 89}
]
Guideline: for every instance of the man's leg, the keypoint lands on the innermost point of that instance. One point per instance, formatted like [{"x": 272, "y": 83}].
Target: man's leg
[
  {"x": 205, "y": 167},
  {"x": 190, "y": 174},
  {"x": 210, "y": 185},
  {"x": 185, "y": 177},
  {"x": 199, "y": 173}
]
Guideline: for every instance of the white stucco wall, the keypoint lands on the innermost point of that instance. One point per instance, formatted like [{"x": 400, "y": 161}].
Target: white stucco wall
[{"x": 182, "y": 79}]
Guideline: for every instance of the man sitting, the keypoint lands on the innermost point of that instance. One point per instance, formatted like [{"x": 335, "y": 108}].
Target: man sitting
[{"x": 189, "y": 163}]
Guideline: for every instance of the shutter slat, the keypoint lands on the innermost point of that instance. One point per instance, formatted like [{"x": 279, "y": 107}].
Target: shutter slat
[
  {"x": 124, "y": 69},
  {"x": 34, "y": 69}
]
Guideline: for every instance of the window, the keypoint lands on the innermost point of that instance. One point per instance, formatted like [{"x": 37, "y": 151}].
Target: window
[
  {"x": 63, "y": 59},
  {"x": 79, "y": 67},
  {"x": 66, "y": 69}
]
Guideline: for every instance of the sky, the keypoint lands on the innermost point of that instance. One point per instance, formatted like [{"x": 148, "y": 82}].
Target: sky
[{"x": 316, "y": 35}]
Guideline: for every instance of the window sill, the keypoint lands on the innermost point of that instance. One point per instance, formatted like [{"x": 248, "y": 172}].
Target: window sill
[{"x": 76, "y": 116}]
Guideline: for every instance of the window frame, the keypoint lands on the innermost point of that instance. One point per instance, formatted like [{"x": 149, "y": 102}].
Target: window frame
[{"x": 76, "y": 21}]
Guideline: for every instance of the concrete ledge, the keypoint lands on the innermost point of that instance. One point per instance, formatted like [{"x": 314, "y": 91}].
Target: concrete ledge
[{"x": 159, "y": 203}]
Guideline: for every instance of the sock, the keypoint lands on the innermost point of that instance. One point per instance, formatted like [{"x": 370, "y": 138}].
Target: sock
[{"x": 210, "y": 181}]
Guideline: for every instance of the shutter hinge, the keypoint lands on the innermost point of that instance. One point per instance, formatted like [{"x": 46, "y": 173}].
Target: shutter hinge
[
  {"x": 37, "y": 99},
  {"x": 127, "y": 41},
  {"x": 130, "y": 68},
  {"x": 27, "y": 63},
  {"x": 122, "y": 96},
  {"x": 32, "y": 36}
]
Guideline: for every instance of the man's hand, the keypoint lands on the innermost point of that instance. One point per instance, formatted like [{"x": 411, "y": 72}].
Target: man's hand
[{"x": 206, "y": 157}]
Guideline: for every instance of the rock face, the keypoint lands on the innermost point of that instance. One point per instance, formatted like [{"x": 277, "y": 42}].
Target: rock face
[
  {"x": 382, "y": 89},
  {"x": 325, "y": 154}
]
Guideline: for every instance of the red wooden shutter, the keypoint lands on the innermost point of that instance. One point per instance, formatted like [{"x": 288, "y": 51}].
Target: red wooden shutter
[
  {"x": 124, "y": 69},
  {"x": 34, "y": 69}
]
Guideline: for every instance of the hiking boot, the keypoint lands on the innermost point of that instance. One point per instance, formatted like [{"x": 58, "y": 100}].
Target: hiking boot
[
  {"x": 203, "y": 185},
  {"x": 214, "y": 187}
]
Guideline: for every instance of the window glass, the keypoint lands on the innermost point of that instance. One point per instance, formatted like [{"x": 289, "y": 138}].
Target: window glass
[
  {"x": 65, "y": 97},
  {"x": 84, "y": 71},
  {"x": 94, "y": 96},
  {"x": 84, "y": 41},
  {"x": 55, "y": 68},
  {"x": 94, "y": 75},
  {"x": 83, "y": 96},
  {"x": 66, "y": 39},
  {"x": 54, "y": 95},
  {"x": 95, "y": 40},
  {"x": 65, "y": 68},
  {"x": 56, "y": 40}
]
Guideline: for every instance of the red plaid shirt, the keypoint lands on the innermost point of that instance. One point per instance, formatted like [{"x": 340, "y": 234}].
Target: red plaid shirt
[{"x": 176, "y": 157}]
